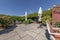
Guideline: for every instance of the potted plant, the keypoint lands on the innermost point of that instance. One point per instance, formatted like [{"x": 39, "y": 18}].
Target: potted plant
[{"x": 57, "y": 24}]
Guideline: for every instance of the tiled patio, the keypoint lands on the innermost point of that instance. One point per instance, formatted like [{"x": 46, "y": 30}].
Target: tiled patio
[{"x": 25, "y": 32}]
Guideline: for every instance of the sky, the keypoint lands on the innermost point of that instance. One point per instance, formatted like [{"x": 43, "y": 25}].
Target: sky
[{"x": 18, "y": 7}]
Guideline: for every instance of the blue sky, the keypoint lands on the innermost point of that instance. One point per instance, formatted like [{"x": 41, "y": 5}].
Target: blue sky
[{"x": 18, "y": 7}]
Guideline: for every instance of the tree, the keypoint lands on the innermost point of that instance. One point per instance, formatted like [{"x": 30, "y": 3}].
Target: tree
[
  {"x": 47, "y": 15},
  {"x": 33, "y": 16},
  {"x": 47, "y": 12},
  {"x": 5, "y": 21}
]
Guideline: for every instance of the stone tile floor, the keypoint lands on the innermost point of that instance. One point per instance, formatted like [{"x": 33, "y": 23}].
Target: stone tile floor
[{"x": 25, "y": 32}]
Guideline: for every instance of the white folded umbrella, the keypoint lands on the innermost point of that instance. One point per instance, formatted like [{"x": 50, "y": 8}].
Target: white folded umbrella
[
  {"x": 26, "y": 16},
  {"x": 40, "y": 14}
]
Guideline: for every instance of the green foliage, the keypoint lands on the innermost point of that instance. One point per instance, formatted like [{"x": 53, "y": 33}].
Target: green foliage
[
  {"x": 47, "y": 15},
  {"x": 28, "y": 21},
  {"x": 45, "y": 18},
  {"x": 47, "y": 12},
  {"x": 5, "y": 22},
  {"x": 57, "y": 24},
  {"x": 33, "y": 16},
  {"x": 25, "y": 22},
  {"x": 14, "y": 18},
  {"x": 22, "y": 18},
  {"x": 17, "y": 18}
]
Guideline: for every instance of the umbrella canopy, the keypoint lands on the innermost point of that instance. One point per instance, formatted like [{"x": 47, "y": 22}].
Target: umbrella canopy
[
  {"x": 40, "y": 13},
  {"x": 48, "y": 8},
  {"x": 26, "y": 15}
]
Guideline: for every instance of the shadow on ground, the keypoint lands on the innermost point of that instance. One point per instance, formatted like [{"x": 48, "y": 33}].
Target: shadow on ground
[
  {"x": 47, "y": 35},
  {"x": 8, "y": 30}
]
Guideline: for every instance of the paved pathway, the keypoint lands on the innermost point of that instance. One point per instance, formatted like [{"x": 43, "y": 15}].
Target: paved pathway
[{"x": 25, "y": 32}]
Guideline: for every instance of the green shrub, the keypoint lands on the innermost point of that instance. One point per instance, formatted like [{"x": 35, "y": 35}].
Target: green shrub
[
  {"x": 5, "y": 22},
  {"x": 28, "y": 21},
  {"x": 47, "y": 12},
  {"x": 33, "y": 16},
  {"x": 57, "y": 24},
  {"x": 45, "y": 18},
  {"x": 46, "y": 15}
]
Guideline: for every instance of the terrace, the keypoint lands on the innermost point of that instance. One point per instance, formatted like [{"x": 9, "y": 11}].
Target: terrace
[
  {"x": 32, "y": 30},
  {"x": 25, "y": 32}
]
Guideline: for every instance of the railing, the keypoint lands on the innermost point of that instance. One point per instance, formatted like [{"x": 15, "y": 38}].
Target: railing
[{"x": 50, "y": 34}]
